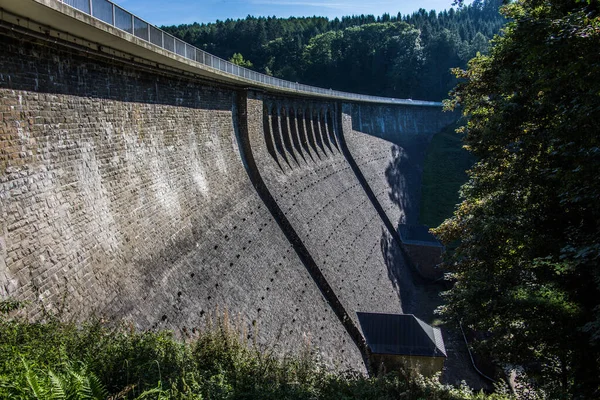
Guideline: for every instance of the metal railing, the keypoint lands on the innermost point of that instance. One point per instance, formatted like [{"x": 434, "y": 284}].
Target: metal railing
[{"x": 110, "y": 13}]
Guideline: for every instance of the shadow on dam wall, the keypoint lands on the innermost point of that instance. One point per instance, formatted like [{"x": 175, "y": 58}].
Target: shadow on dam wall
[
  {"x": 371, "y": 154},
  {"x": 134, "y": 193},
  {"x": 251, "y": 125},
  {"x": 386, "y": 146},
  {"x": 406, "y": 133},
  {"x": 389, "y": 145}
]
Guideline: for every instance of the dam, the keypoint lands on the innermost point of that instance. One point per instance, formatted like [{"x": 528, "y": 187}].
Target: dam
[{"x": 144, "y": 180}]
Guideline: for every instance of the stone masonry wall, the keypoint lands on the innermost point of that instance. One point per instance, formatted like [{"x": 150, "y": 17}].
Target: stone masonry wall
[
  {"x": 134, "y": 193},
  {"x": 389, "y": 144},
  {"x": 123, "y": 193},
  {"x": 300, "y": 160}
]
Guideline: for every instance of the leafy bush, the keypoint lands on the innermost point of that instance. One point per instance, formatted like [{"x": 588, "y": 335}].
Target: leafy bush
[{"x": 57, "y": 360}]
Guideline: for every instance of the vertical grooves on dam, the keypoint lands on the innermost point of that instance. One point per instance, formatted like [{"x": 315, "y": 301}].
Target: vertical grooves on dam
[{"x": 287, "y": 228}]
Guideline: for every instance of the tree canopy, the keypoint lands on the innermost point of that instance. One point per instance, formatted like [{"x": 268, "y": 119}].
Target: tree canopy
[
  {"x": 406, "y": 56},
  {"x": 527, "y": 269},
  {"x": 238, "y": 59}
]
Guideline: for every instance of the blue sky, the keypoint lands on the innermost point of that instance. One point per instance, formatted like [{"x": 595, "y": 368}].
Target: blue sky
[{"x": 174, "y": 12}]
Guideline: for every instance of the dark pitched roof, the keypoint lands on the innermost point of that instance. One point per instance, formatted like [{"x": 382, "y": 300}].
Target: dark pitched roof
[{"x": 402, "y": 334}]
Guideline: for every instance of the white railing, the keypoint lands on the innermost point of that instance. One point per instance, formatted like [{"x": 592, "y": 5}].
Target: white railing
[{"x": 112, "y": 14}]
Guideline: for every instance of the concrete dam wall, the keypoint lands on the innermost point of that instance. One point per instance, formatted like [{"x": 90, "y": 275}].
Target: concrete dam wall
[{"x": 133, "y": 192}]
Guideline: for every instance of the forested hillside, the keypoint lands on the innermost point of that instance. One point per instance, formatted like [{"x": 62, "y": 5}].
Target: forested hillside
[{"x": 406, "y": 56}]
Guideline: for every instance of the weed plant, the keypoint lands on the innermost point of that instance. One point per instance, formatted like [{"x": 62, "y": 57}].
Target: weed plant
[{"x": 94, "y": 360}]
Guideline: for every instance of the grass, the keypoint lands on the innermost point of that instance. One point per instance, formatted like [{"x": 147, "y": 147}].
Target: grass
[
  {"x": 446, "y": 163},
  {"x": 58, "y": 360}
]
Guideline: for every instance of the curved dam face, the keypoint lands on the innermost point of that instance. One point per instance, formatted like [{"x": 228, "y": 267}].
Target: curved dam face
[
  {"x": 299, "y": 155},
  {"x": 393, "y": 166},
  {"x": 136, "y": 193}
]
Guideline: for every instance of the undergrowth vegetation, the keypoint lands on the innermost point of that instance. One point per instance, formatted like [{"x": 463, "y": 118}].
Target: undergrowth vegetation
[{"x": 57, "y": 360}]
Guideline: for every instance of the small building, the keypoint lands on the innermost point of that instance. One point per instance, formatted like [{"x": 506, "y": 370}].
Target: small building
[
  {"x": 423, "y": 250},
  {"x": 402, "y": 341}
]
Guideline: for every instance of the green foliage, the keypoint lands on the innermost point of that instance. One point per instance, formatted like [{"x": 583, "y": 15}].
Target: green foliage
[
  {"x": 527, "y": 269},
  {"x": 73, "y": 382},
  {"x": 54, "y": 360},
  {"x": 9, "y": 305},
  {"x": 238, "y": 59},
  {"x": 391, "y": 55}
]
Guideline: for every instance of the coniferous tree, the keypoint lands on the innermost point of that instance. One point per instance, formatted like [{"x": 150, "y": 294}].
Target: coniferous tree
[{"x": 360, "y": 53}]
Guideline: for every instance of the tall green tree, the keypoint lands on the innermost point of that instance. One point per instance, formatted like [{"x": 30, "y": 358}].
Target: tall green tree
[
  {"x": 238, "y": 59},
  {"x": 527, "y": 269}
]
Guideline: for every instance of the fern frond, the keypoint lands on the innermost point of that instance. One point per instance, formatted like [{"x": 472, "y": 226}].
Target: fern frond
[
  {"x": 59, "y": 386},
  {"x": 81, "y": 387},
  {"x": 84, "y": 391},
  {"x": 33, "y": 382},
  {"x": 87, "y": 385},
  {"x": 97, "y": 389},
  {"x": 79, "y": 378}
]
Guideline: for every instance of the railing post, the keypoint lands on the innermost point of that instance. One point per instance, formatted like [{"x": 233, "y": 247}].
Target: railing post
[
  {"x": 91, "y": 9},
  {"x": 162, "y": 39},
  {"x": 148, "y": 25},
  {"x": 132, "y": 25},
  {"x": 114, "y": 18}
]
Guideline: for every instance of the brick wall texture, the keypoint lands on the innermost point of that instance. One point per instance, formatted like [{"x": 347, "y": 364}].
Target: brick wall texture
[{"x": 124, "y": 192}]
